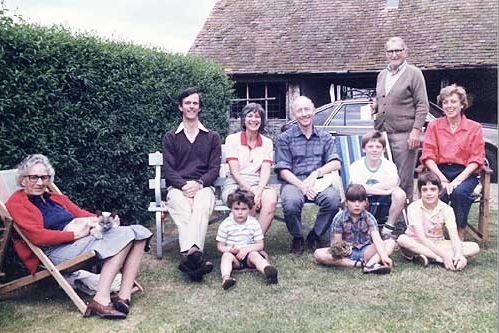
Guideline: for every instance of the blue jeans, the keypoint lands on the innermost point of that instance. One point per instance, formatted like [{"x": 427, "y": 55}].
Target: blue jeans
[
  {"x": 460, "y": 198},
  {"x": 379, "y": 206},
  {"x": 358, "y": 254},
  {"x": 292, "y": 200}
]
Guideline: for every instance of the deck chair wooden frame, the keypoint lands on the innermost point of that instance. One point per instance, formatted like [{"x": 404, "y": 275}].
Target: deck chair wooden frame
[{"x": 9, "y": 186}]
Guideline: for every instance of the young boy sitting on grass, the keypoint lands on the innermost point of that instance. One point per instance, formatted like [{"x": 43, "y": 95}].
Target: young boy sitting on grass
[
  {"x": 240, "y": 240},
  {"x": 424, "y": 238},
  {"x": 380, "y": 179},
  {"x": 358, "y": 228}
]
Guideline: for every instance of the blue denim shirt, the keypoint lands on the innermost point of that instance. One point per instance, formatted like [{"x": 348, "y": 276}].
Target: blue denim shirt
[{"x": 301, "y": 155}]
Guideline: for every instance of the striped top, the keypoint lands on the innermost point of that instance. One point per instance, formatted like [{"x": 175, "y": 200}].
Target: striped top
[{"x": 240, "y": 235}]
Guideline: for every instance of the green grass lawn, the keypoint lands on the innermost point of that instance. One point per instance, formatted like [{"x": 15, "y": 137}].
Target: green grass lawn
[{"x": 308, "y": 298}]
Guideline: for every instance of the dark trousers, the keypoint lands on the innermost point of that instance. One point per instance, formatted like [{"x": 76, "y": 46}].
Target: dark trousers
[
  {"x": 461, "y": 197},
  {"x": 292, "y": 200}
]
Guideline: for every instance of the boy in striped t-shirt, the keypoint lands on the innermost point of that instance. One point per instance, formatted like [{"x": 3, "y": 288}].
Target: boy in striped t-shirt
[{"x": 240, "y": 240}]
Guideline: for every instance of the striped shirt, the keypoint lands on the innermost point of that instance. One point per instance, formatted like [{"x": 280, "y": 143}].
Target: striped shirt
[{"x": 239, "y": 234}]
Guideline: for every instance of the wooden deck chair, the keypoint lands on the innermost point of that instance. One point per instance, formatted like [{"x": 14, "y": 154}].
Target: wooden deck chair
[
  {"x": 350, "y": 150},
  {"x": 8, "y": 186}
]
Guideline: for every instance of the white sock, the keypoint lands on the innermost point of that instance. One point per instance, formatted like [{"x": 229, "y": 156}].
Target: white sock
[{"x": 387, "y": 229}]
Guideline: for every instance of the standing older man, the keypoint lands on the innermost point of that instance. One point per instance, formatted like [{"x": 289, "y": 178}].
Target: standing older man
[
  {"x": 401, "y": 107},
  {"x": 304, "y": 155},
  {"x": 191, "y": 156}
]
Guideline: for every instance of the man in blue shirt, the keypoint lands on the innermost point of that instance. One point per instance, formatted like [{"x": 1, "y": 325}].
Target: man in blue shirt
[{"x": 304, "y": 155}]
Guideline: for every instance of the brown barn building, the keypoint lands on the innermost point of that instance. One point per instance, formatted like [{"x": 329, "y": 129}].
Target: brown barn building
[{"x": 328, "y": 49}]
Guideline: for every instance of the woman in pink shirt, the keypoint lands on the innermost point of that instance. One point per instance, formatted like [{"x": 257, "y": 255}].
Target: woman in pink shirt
[
  {"x": 454, "y": 150},
  {"x": 250, "y": 156}
]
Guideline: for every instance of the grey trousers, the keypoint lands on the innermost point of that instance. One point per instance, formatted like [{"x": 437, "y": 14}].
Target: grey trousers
[
  {"x": 292, "y": 200},
  {"x": 405, "y": 160}
]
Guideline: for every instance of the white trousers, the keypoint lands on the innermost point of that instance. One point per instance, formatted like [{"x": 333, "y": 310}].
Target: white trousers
[{"x": 191, "y": 215}]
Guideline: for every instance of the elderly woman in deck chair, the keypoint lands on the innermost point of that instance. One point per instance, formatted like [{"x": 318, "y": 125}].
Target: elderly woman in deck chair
[{"x": 45, "y": 219}]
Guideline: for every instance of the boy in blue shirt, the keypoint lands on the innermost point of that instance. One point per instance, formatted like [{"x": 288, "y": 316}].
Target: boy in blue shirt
[{"x": 358, "y": 228}]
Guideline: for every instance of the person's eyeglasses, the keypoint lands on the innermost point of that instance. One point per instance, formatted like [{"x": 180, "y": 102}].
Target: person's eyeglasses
[
  {"x": 34, "y": 178},
  {"x": 397, "y": 51}
]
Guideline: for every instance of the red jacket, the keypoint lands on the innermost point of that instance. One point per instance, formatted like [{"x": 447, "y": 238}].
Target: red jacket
[{"x": 30, "y": 220}]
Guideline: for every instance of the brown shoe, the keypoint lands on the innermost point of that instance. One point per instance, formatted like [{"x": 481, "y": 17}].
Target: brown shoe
[
  {"x": 297, "y": 247},
  {"x": 228, "y": 282},
  {"x": 197, "y": 274},
  {"x": 421, "y": 259},
  {"x": 122, "y": 305},
  {"x": 270, "y": 273},
  {"x": 313, "y": 241},
  {"x": 103, "y": 311}
]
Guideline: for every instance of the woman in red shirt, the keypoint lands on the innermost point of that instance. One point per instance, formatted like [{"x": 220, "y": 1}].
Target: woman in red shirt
[
  {"x": 45, "y": 218},
  {"x": 454, "y": 150}
]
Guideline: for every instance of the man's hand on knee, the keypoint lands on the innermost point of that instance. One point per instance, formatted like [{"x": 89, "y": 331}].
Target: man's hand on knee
[{"x": 191, "y": 188}]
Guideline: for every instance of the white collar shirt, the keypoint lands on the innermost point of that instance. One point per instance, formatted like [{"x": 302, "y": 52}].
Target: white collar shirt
[
  {"x": 393, "y": 75},
  {"x": 191, "y": 138}
]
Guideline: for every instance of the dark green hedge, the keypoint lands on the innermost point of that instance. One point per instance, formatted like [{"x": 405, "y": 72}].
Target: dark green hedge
[{"x": 96, "y": 109}]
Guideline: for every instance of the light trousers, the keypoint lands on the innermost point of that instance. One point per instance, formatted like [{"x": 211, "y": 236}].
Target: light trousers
[{"x": 191, "y": 215}]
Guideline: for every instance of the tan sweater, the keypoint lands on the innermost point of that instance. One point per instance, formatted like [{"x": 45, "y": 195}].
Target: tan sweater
[{"x": 405, "y": 106}]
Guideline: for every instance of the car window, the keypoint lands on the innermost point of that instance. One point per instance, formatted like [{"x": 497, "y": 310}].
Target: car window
[
  {"x": 321, "y": 116},
  {"x": 435, "y": 110},
  {"x": 349, "y": 115}
]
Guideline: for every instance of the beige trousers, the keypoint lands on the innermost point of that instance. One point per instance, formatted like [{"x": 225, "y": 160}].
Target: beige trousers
[{"x": 191, "y": 215}]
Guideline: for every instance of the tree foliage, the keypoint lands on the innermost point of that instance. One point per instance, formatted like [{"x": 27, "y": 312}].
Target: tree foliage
[{"x": 96, "y": 109}]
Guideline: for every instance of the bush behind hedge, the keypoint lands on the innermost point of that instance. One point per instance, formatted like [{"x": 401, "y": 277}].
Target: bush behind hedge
[{"x": 96, "y": 109}]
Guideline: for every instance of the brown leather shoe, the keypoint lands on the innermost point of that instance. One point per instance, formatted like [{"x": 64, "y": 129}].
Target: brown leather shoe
[
  {"x": 297, "y": 247},
  {"x": 103, "y": 311},
  {"x": 122, "y": 305}
]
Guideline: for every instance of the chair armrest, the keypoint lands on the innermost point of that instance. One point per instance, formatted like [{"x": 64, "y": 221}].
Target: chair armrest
[{"x": 156, "y": 160}]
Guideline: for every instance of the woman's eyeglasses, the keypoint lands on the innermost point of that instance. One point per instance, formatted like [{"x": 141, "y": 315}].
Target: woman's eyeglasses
[{"x": 34, "y": 178}]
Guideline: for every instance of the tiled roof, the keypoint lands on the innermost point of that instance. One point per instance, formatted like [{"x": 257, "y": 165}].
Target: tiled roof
[{"x": 325, "y": 36}]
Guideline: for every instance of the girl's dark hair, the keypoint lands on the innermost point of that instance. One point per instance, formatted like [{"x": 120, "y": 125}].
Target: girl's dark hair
[
  {"x": 429, "y": 177},
  {"x": 355, "y": 192},
  {"x": 242, "y": 196}
]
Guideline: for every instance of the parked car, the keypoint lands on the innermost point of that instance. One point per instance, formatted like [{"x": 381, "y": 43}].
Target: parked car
[{"x": 348, "y": 117}]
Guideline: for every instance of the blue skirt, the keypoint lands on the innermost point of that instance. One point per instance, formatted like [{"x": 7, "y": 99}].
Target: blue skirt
[{"x": 112, "y": 242}]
